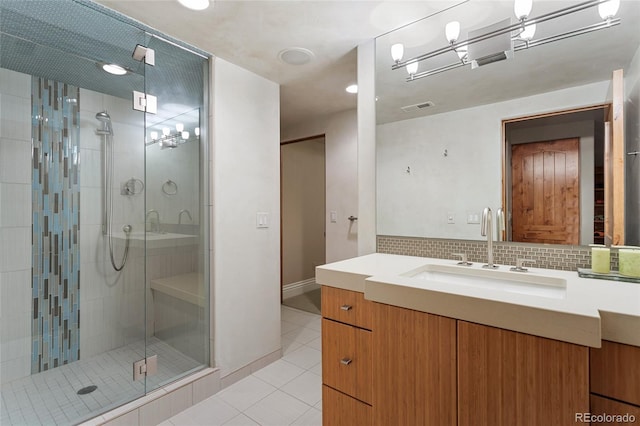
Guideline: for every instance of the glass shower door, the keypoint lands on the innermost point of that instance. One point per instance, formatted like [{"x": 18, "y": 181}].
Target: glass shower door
[{"x": 176, "y": 226}]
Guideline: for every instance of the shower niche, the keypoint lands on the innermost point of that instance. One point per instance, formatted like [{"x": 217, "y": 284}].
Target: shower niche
[{"x": 88, "y": 224}]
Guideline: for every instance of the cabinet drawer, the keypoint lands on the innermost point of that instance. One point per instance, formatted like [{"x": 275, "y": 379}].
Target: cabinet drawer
[
  {"x": 346, "y": 306},
  {"x": 339, "y": 409},
  {"x": 615, "y": 371},
  {"x": 600, "y": 405},
  {"x": 346, "y": 359}
]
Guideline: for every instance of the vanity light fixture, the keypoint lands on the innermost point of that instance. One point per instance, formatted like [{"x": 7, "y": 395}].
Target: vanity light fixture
[
  {"x": 522, "y": 8},
  {"x": 397, "y": 51},
  {"x": 171, "y": 140},
  {"x": 608, "y": 9},
  {"x": 521, "y": 34},
  {"x": 412, "y": 69},
  {"x": 452, "y": 31},
  {"x": 195, "y": 4},
  {"x": 528, "y": 31}
]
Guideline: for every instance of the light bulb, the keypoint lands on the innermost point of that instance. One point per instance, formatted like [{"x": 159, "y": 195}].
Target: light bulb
[
  {"x": 166, "y": 131},
  {"x": 154, "y": 136},
  {"x": 397, "y": 51},
  {"x": 195, "y": 4},
  {"x": 353, "y": 88},
  {"x": 179, "y": 127},
  {"x": 114, "y": 69},
  {"x": 608, "y": 9},
  {"x": 528, "y": 32},
  {"x": 185, "y": 135},
  {"x": 452, "y": 31},
  {"x": 522, "y": 8},
  {"x": 197, "y": 131},
  {"x": 412, "y": 68}
]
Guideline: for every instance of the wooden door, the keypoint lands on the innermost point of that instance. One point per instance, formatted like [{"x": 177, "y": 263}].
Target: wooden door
[
  {"x": 546, "y": 192},
  {"x": 614, "y": 164}
]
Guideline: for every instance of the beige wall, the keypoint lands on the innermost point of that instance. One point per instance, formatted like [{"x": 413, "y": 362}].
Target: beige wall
[
  {"x": 303, "y": 198},
  {"x": 341, "y": 142}
]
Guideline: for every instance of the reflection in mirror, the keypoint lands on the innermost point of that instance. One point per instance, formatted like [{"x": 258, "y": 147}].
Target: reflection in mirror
[
  {"x": 440, "y": 138},
  {"x": 553, "y": 186},
  {"x": 173, "y": 171}
]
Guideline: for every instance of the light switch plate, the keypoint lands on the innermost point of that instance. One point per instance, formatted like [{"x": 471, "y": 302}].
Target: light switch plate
[
  {"x": 334, "y": 216},
  {"x": 262, "y": 220}
]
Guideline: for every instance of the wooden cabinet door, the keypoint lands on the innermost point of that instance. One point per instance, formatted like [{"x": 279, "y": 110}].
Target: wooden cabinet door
[
  {"x": 346, "y": 359},
  {"x": 510, "y": 379},
  {"x": 349, "y": 307},
  {"x": 414, "y": 368},
  {"x": 615, "y": 371},
  {"x": 629, "y": 414},
  {"x": 339, "y": 409}
]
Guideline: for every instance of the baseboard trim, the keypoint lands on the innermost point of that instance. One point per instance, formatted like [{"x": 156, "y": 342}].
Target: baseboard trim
[{"x": 298, "y": 288}]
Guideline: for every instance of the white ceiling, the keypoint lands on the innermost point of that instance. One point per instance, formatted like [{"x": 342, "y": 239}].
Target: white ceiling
[
  {"x": 580, "y": 60},
  {"x": 250, "y": 34}
]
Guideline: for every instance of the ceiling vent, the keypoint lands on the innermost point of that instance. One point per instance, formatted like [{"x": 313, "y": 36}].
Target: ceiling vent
[
  {"x": 417, "y": 107},
  {"x": 494, "y": 49}
]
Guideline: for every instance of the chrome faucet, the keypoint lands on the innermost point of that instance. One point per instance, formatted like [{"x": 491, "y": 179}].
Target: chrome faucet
[
  {"x": 486, "y": 229},
  {"x": 180, "y": 216},
  {"x": 500, "y": 224},
  {"x": 149, "y": 213}
]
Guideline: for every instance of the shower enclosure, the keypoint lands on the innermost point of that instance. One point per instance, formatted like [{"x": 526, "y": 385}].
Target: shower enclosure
[{"x": 104, "y": 252}]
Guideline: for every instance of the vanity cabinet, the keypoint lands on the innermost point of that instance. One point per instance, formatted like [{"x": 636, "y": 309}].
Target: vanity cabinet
[
  {"x": 510, "y": 378},
  {"x": 346, "y": 358},
  {"x": 615, "y": 379},
  {"x": 414, "y": 366},
  {"x": 386, "y": 365}
]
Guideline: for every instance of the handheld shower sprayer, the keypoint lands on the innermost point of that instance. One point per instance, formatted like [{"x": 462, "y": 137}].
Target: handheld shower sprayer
[
  {"x": 104, "y": 118},
  {"x": 106, "y": 130}
]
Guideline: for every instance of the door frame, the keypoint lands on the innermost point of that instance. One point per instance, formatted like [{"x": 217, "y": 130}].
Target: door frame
[
  {"x": 506, "y": 148},
  {"x": 282, "y": 143}
]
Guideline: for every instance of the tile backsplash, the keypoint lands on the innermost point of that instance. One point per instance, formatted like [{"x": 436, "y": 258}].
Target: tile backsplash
[{"x": 567, "y": 258}]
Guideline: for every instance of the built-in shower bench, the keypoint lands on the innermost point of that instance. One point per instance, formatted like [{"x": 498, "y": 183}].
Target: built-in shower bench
[{"x": 187, "y": 287}]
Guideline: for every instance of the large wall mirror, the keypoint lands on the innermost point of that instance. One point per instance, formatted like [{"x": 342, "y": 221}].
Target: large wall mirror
[{"x": 464, "y": 94}]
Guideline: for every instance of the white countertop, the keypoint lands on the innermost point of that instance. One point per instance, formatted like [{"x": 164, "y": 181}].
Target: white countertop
[{"x": 588, "y": 311}]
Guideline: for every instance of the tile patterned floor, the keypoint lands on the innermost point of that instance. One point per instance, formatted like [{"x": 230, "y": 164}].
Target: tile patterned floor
[
  {"x": 286, "y": 392},
  {"x": 49, "y": 398}
]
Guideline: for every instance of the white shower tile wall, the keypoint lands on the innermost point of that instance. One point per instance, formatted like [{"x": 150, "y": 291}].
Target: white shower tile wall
[
  {"x": 15, "y": 225},
  {"x": 112, "y": 303}
]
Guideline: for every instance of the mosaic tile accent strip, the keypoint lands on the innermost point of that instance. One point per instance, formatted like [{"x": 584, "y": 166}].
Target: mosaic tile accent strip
[
  {"x": 55, "y": 285},
  {"x": 567, "y": 258}
]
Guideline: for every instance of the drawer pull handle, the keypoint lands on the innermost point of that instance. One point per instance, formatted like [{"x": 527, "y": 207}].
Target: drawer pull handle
[
  {"x": 345, "y": 307},
  {"x": 345, "y": 361}
]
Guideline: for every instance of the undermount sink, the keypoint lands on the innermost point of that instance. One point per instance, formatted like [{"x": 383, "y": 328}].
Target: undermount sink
[{"x": 513, "y": 282}]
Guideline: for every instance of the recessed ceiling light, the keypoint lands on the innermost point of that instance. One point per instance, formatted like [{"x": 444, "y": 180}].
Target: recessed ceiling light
[
  {"x": 295, "y": 55},
  {"x": 114, "y": 69},
  {"x": 195, "y": 4},
  {"x": 352, "y": 89}
]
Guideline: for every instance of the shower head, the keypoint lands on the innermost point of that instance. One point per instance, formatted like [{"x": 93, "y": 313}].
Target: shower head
[{"x": 105, "y": 119}]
